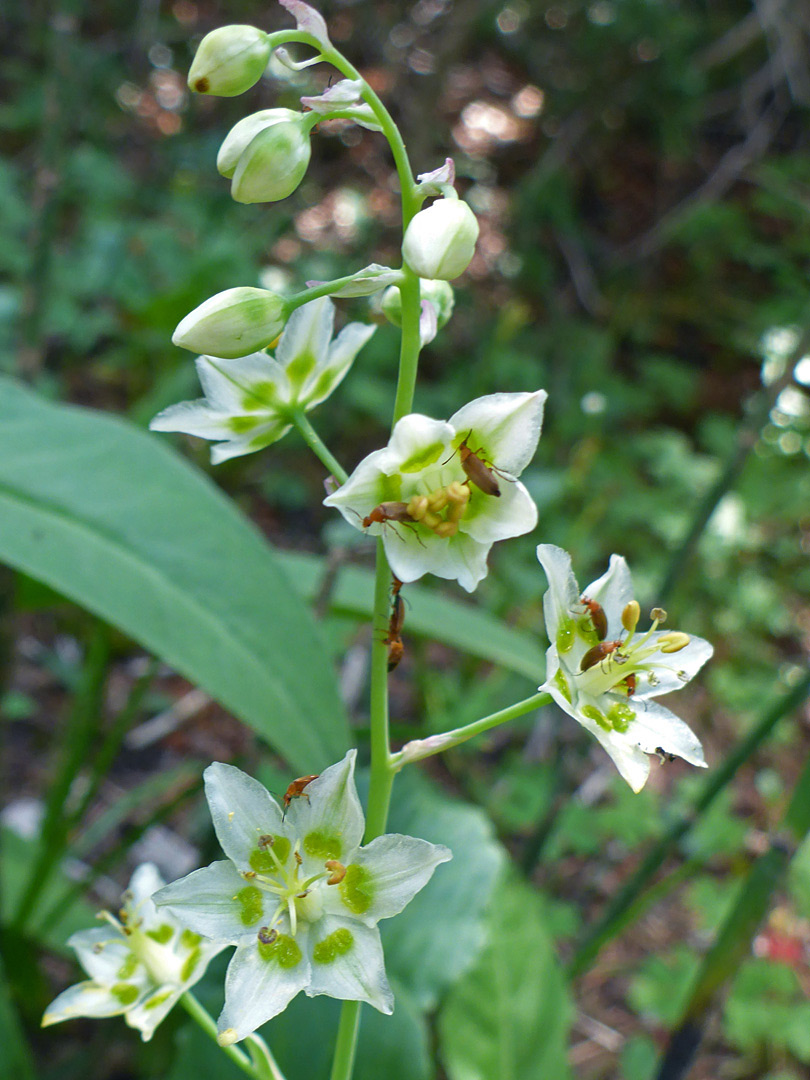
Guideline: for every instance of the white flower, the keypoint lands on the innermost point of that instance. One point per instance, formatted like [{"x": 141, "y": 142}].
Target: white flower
[
  {"x": 229, "y": 61},
  {"x": 443, "y": 491},
  {"x": 233, "y": 323},
  {"x": 138, "y": 966},
  {"x": 297, "y": 894},
  {"x": 249, "y": 401},
  {"x": 440, "y": 240},
  {"x": 604, "y": 672}
]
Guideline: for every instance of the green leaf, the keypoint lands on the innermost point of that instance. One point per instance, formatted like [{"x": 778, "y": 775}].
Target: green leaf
[
  {"x": 429, "y": 615},
  {"x": 441, "y": 932},
  {"x": 508, "y": 1018},
  {"x": 112, "y": 518}
]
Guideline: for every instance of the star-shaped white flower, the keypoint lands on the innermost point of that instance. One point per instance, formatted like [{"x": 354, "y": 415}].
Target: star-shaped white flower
[
  {"x": 297, "y": 894},
  {"x": 603, "y": 671},
  {"x": 443, "y": 491},
  {"x": 139, "y": 963},
  {"x": 249, "y": 401}
]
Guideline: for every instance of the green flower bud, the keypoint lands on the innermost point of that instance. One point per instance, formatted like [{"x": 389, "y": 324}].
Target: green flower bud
[
  {"x": 440, "y": 241},
  {"x": 229, "y": 61},
  {"x": 242, "y": 134},
  {"x": 273, "y": 164},
  {"x": 439, "y": 293},
  {"x": 233, "y": 323}
]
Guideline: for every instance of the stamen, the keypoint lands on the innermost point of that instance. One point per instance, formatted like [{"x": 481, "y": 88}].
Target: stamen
[
  {"x": 658, "y": 615},
  {"x": 267, "y": 935},
  {"x": 630, "y": 617},
  {"x": 293, "y": 915},
  {"x": 673, "y": 642},
  {"x": 338, "y": 871}
]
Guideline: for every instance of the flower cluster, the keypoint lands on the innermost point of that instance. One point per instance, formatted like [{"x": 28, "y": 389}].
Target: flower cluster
[
  {"x": 604, "y": 673},
  {"x": 297, "y": 895},
  {"x": 139, "y": 963},
  {"x": 443, "y": 491}
]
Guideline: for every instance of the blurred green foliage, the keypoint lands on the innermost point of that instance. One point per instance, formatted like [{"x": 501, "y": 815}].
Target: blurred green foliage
[{"x": 642, "y": 173}]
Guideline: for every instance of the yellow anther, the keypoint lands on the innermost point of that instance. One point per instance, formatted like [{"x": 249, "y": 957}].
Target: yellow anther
[
  {"x": 456, "y": 511},
  {"x": 298, "y": 858},
  {"x": 458, "y": 492},
  {"x": 446, "y": 528},
  {"x": 630, "y": 616},
  {"x": 437, "y": 500},
  {"x": 658, "y": 615},
  {"x": 673, "y": 642},
  {"x": 417, "y": 507},
  {"x": 431, "y": 520},
  {"x": 338, "y": 871}
]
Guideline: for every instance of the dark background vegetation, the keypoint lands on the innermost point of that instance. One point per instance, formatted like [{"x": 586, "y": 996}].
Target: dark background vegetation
[{"x": 641, "y": 169}]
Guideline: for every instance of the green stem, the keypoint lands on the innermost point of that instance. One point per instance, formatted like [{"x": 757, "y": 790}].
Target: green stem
[
  {"x": 346, "y": 1044},
  {"x": 318, "y": 446},
  {"x": 410, "y": 344},
  {"x": 202, "y": 1017},
  {"x": 262, "y": 1058},
  {"x": 436, "y": 744},
  {"x": 382, "y": 773},
  {"x": 614, "y": 918},
  {"x": 326, "y": 288}
]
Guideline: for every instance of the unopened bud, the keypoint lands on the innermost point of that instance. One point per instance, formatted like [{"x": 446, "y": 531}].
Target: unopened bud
[
  {"x": 242, "y": 135},
  {"x": 233, "y": 323},
  {"x": 658, "y": 615},
  {"x": 630, "y": 616},
  {"x": 673, "y": 642},
  {"x": 440, "y": 240},
  {"x": 229, "y": 61},
  {"x": 273, "y": 164},
  {"x": 439, "y": 293}
]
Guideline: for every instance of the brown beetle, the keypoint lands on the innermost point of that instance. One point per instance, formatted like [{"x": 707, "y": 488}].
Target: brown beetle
[
  {"x": 477, "y": 471},
  {"x": 598, "y": 617},
  {"x": 296, "y": 789},
  {"x": 602, "y": 651},
  {"x": 394, "y": 639}
]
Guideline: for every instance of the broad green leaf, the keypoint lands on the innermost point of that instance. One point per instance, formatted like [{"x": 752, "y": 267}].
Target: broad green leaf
[
  {"x": 114, "y": 519},
  {"x": 429, "y": 615},
  {"x": 441, "y": 932},
  {"x": 508, "y": 1018}
]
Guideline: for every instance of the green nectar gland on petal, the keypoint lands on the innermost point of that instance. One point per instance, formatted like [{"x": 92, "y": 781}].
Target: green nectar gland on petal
[
  {"x": 566, "y": 634},
  {"x": 229, "y": 61},
  {"x": 356, "y": 889},
  {"x": 336, "y": 944}
]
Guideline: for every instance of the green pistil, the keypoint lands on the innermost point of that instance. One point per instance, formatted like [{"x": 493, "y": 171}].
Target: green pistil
[
  {"x": 357, "y": 889},
  {"x": 284, "y": 951},
  {"x": 250, "y": 902},
  {"x": 566, "y": 635},
  {"x": 162, "y": 934},
  {"x": 126, "y": 993},
  {"x": 320, "y": 845},
  {"x": 336, "y": 944}
]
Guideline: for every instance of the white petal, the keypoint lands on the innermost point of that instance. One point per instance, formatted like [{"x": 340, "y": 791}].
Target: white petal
[
  {"x": 257, "y": 439},
  {"x": 418, "y": 441},
  {"x": 365, "y": 489},
  {"x": 308, "y": 19},
  {"x": 329, "y": 820},
  {"x": 655, "y": 726},
  {"x": 334, "y": 369},
  {"x": 305, "y": 340},
  {"x": 145, "y": 881},
  {"x": 102, "y": 952},
  {"x": 670, "y": 667},
  {"x": 193, "y": 418},
  {"x": 631, "y": 761},
  {"x": 397, "y": 867},
  {"x": 506, "y": 426},
  {"x": 156, "y": 1006},
  {"x": 512, "y": 514},
  {"x": 356, "y": 974},
  {"x": 459, "y": 558},
  {"x": 563, "y": 591},
  {"x": 248, "y": 384},
  {"x": 216, "y": 903},
  {"x": 257, "y": 990},
  {"x": 614, "y": 591},
  {"x": 242, "y": 811},
  {"x": 83, "y": 999}
]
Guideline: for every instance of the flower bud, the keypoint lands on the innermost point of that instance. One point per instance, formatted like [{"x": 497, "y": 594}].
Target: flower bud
[
  {"x": 273, "y": 164},
  {"x": 440, "y": 241},
  {"x": 229, "y": 61},
  {"x": 242, "y": 134},
  {"x": 439, "y": 293},
  {"x": 233, "y": 323}
]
